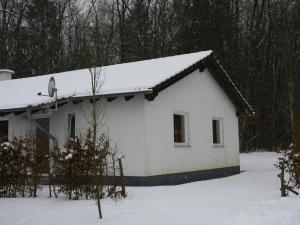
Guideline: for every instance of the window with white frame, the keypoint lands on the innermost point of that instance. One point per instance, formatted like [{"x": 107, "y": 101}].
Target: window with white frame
[
  {"x": 180, "y": 121},
  {"x": 71, "y": 125},
  {"x": 217, "y": 128}
]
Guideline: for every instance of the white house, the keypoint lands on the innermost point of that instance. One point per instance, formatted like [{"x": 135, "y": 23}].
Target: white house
[{"x": 175, "y": 118}]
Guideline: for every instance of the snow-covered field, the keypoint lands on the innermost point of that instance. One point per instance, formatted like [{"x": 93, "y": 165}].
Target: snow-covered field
[{"x": 251, "y": 197}]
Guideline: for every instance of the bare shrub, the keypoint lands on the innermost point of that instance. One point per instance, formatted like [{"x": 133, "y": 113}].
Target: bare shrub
[
  {"x": 289, "y": 166},
  {"x": 75, "y": 167},
  {"x": 19, "y": 166}
]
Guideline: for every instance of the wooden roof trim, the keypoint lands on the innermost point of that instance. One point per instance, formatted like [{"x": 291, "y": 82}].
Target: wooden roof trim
[
  {"x": 165, "y": 84},
  {"x": 64, "y": 101},
  {"x": 220, "y": 75},
  {"x": 128, "y": 97},
  {"x": 110, "y": 99}
]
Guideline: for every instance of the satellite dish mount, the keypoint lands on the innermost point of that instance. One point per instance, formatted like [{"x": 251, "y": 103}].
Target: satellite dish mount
[{"x": 52, "y": 91}]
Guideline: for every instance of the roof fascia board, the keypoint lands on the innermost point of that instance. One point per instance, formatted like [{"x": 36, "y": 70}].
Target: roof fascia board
[
  {"x": 167, "y": 83},
  {"x": 212, "y": 64},
  {"x": 66, "y": 100},
  {"x": 227, "y": 85}
]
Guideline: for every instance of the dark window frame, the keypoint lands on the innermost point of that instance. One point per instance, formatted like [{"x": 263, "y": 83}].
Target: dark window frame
[
  {"x": 180, "y": 129},
  {"x": 71, "y": 125},
  {"x": 217, "y": 132},
  {"x": 4, "y": 130}
]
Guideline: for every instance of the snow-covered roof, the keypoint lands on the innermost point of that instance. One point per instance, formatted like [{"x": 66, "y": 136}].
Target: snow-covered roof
[{"x": 135, "y": 77}]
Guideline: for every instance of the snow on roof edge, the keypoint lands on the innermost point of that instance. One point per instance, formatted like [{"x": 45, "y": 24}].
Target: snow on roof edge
[
  {"x": 161, "y": 69},
  {"x": 209, "y": 52},
  {"x": 69, "y": 98},
  {"x": 235, "y": 87}
]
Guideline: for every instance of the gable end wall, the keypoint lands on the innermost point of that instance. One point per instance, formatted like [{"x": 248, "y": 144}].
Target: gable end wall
[{"x": 200, "y": 96}]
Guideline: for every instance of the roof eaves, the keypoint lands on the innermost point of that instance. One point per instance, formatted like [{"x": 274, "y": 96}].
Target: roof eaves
[
  {"x": 219, "y": 73},
  {"x": 69, "y": 99},
  {"x": 227, "y": 84},
  {"x": 165, "y": 84}
]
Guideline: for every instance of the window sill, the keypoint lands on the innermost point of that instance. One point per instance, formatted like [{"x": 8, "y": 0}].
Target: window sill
[
  {"x": 187, "y": 145},
  {"x": 218, "y": 146}
]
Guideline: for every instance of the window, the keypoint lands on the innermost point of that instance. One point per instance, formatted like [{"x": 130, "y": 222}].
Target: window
[
  {"x": 217, "y": 132},
  {"x": 180, "y": 128},
  {"x": 71, "y": 125},
  {"x": 3, "y": 130}
]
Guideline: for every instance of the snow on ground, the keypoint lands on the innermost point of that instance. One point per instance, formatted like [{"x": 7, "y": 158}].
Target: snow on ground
[{"x": 252, "y": 197}]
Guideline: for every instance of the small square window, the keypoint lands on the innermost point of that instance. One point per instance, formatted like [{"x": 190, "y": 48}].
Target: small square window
[
  {"x": 180, "y": 128},
  {"x": 3, "y": 130},
  {"x": 71, "y": 125},
  {"x": 217, "y": 128}
]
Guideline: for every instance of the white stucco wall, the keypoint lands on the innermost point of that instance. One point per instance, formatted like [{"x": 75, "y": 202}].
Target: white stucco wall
[
  {"x": 124, "y": 120},
  {"x": 18, "y": 125},
  {"x": 202, "y": 98}
]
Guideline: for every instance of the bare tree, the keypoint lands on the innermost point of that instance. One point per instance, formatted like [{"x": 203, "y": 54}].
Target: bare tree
[{"x": 96, "y": 115}]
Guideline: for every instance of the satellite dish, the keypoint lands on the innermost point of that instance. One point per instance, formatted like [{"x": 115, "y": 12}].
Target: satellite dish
[{"x": 51, "y": 87}]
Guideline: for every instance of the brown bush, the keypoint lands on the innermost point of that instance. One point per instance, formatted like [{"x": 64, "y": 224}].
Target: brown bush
[
  {"x": 74, "y": 167},
  {"x": 19, "y": 163},
  {"x": 289, "y": 165}
]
